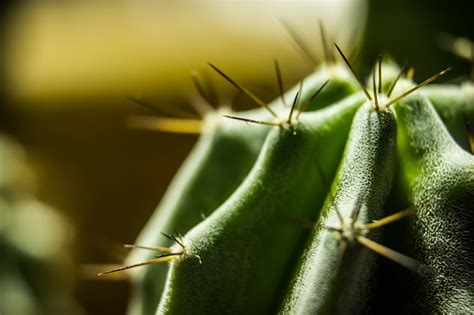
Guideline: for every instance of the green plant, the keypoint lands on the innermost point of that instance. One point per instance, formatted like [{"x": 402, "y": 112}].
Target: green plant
[
  {"x": 252, "y": 253},
  {"x": 205, "y": 180},
  {"x": 334, "y": 274},
  {"x": 440, "y": 177}
]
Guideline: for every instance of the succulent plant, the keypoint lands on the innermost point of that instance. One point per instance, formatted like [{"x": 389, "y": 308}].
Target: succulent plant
[{"x": 296, "y": 203}]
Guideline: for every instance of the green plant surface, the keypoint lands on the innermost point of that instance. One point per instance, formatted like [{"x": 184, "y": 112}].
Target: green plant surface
[
  {"x": 222, "y": 158},
  {"x": 440, "y": 178},
  {"x": 216, "y": 166},
  {"x": 455, "y": 105},
  {"x": 335, "y": 273},
  {"x": 258, "y": 186},
  {"x": 245, "y": 247}
]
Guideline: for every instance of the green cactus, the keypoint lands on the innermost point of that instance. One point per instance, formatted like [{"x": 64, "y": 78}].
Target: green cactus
[
  {"x": 440, "y": 177},
  {"x": 261, "y": 186},
  {"x": 455, "y": 105},
  {"x": 252, "y": 221},
  {"x": 335, "y": 274},
  {"x": 221, "y": 160}
]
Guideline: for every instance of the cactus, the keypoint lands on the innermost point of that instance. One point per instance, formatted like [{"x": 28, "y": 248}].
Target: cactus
[
  {"x": 332, "y": 278},
  {"x": 344, "y": 167},
  {"x": 205, "y": 180},
  {"x": 440, "y": 175}
]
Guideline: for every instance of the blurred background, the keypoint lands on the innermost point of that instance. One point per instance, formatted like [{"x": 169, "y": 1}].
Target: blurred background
[{"x": 69, "y": 67}]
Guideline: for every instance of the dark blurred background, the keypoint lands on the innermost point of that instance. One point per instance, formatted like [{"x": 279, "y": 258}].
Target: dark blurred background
[{"x": 68, "y": 67}]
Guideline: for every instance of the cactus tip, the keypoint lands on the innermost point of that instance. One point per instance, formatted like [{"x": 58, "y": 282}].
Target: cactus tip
[
  {"x": 253, "y": 121},
  {"x": 405, "y": 261},
  {"x": 168, "y": 254},
  {"x": 295, "y": 102},
  {"x": 281, "y": 89},
  {"x": 311, "y": 99},
  {"x": 416, "y": 87},
  {"x": 380, "y": 73},
  {"x": 161, "y": 258},
  {"x": 354, "y": 73},
  {"x": 244, "y": 90},
  {"x": 299, "y": 43},
  {"x": 376, "y": 97},
  {"x": 328, "y": 57},
  {"x": 394, "y": 83},
  {"x": 351, "y": 233},
  {"x": 206, "y": 106}
]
